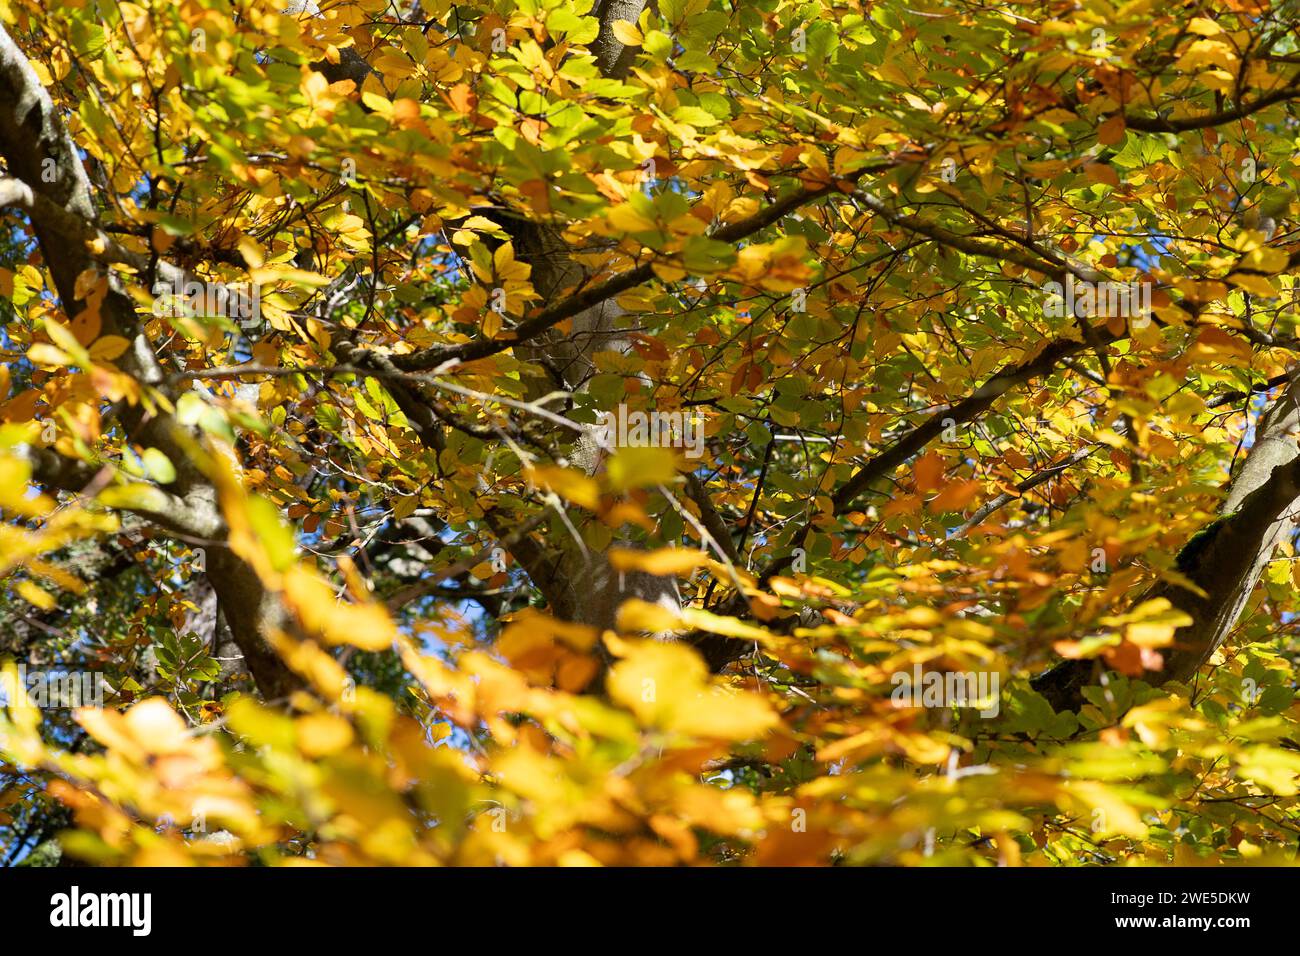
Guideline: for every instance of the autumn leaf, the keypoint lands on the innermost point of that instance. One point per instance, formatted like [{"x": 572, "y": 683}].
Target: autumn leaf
[{"x": 665, "y": 686}]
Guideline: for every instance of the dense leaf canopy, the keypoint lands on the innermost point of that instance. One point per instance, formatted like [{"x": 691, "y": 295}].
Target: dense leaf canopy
[{"x": 973, "y": 322}]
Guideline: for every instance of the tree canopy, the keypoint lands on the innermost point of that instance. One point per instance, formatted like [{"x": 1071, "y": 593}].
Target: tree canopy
[{"x": 629, "y": 433}]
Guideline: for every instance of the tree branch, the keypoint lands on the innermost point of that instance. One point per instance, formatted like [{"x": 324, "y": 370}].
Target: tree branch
[{"x": 1224, "y": 560}]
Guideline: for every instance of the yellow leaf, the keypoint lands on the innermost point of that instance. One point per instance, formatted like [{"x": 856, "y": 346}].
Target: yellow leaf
[
  {"x": 323, "y": 734},
  {"x": 568, "y": 483},
  {"x": 252, "y": 252},
  {"x": 158, "y": 728},
  {"x": 660, "y": 562},
  {"x": 43, "y": 354},
  {"x": 480, "y": 222},
  {"x": 1207, "y": 53},
  {"x": 637, "y": 467},
  {"x": 627, "y": 33},
  {"x": 366, "y": 626},
  {"x": 1266, "y": 259},
  {"x": 635, "y": 615},
  {"x": 1152, "y": 623},
  {"x": 533, "y": 622},
  {"x": 35, "y": 595},
  {"x": 1254, "y": 284},
  {"x": 108, "y": 348},
  {"x": 1151, "y": 634},
  {"x": 666, "y": 686},
  {"x": 273, "y": 274},
  {"x": 62, "y": 336},
  {"x": 504, "y": 257},
  {"x": 1115, "y": 815},
  {"x": 625, "y": 218}
]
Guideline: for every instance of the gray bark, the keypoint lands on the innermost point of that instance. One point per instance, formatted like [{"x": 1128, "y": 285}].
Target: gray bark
[
  {"x": 614, "y": 57},
  {"x": 575, "y": 575}
]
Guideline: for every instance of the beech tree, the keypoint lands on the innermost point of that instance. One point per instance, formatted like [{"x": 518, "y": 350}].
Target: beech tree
[{"x": 649, "y": 433}]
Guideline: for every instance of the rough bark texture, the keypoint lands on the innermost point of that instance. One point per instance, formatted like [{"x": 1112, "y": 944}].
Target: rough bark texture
[{"x": 614, "y": 57}]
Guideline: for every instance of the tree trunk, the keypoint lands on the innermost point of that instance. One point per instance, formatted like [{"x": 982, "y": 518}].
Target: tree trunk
[{"x": 1225, "y": 559}]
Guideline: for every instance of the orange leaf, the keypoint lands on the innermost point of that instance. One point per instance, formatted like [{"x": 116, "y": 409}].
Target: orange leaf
[
  {"x": 1111, "y": 131},
  {"x": 956, "y": 496},
  {"x": 928, "y": 471},
  {"x": 462, "y": 98}
]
